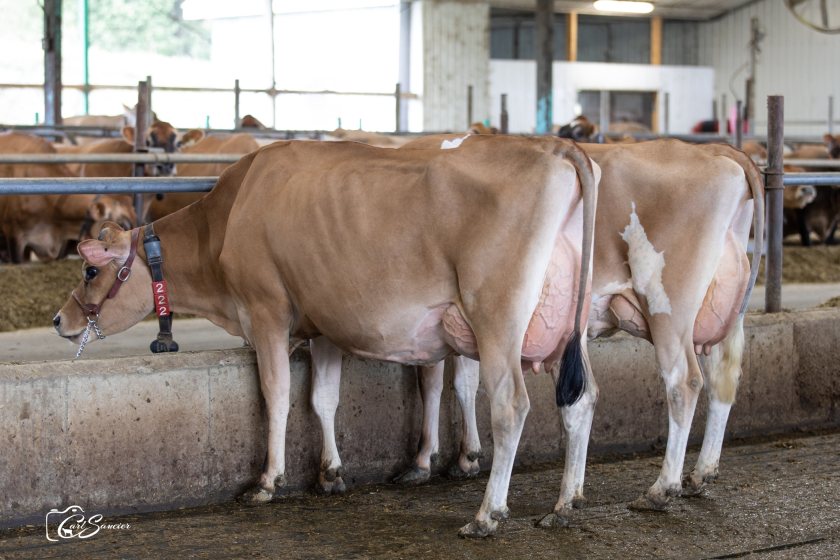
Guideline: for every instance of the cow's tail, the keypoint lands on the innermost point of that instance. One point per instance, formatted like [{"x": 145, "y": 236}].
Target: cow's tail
[{"x": 571, "y": 381}]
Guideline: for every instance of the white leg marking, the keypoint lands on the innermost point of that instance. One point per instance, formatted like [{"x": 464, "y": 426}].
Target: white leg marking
[
  {"x": 326, "y": 382},
  {"x": 466, "y": 384},
  {"x": 431, "y": 387}
]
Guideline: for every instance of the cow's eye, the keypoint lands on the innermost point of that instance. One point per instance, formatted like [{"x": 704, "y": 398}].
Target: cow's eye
[{"x": 90, "y": 273}]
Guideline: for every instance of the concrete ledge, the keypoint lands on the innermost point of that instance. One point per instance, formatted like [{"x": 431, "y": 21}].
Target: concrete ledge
[{"x": 159, "y": 432}]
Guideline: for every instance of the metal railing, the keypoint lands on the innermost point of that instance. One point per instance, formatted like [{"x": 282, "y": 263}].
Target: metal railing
[
  {"x": 106, "y": 185},
  {"x": 139, "y": 157}
]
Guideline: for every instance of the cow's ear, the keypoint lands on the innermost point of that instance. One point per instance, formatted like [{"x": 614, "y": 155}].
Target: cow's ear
[
  {"x": 97, "y": 253},
  {"x": 128, "y": 134},
  {"x": 191, "y": 137},
  {"x": 97, "y": 210}
]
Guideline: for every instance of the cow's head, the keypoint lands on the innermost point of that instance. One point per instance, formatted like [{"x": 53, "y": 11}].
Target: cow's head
[
  {"x": 579, "y": 129},
  {"x": 833, "y": 145},
  {"x": 108, "y": 208},
  {"x": 163, "y": 136},
  {"x": 104, "y": 259}
]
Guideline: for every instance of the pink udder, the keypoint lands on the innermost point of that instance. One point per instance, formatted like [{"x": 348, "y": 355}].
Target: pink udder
[
  {"x": 724, "y": 296},
  {"x": 552, "y": 321}
]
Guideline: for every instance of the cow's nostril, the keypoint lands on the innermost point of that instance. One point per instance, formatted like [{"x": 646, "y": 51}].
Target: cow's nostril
[{"x": 56, "y": 321}]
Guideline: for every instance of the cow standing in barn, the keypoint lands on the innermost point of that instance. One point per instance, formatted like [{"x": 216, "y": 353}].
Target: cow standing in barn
[
  {"x": 301, "y": 239},
  {"x": 684, "y": 289}
]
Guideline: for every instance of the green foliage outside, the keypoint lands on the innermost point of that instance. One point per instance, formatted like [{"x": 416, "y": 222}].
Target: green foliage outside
[{"x": 145, "y": 25}]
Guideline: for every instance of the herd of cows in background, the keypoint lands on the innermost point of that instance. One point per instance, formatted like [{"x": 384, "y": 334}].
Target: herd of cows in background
[{"x": 49, "y": 227}]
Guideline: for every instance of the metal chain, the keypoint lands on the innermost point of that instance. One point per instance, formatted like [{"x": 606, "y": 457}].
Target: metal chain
[{"x": 86, "y": 336}]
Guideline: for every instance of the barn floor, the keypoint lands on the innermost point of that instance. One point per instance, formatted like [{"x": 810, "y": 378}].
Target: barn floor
[{"x": 776, "y": 498}]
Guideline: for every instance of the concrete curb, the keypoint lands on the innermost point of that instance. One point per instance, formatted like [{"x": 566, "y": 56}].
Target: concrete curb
[{"x": 166, "y": 431}]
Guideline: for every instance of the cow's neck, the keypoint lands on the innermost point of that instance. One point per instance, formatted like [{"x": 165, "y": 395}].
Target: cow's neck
[{"x": 190, "y": 250}]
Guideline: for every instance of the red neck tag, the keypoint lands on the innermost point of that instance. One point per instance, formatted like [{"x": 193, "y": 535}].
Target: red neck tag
[{"x": 161, "y": 297}]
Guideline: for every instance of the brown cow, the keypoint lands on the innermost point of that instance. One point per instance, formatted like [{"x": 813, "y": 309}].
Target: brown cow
[
  {"x": 300, "y": 239},
  {"x": 683, "y": 289}
]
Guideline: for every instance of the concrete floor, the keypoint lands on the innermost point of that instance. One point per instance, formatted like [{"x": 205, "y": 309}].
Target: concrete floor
[
  {"x": 775, "y": 499},
  {"x": 43, "y": 344}
]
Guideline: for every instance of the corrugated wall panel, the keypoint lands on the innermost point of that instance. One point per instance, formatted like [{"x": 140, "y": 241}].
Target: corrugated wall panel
[
  {"x": 456, "y": 46},
  {"x": 795, "y": 62}
]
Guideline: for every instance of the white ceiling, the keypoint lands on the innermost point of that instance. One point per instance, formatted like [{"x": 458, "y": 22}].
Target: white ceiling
[{"x": 678, "y": 9}]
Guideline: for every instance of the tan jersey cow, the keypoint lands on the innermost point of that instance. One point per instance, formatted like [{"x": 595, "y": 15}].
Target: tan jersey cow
[
  {"x": 215, "y": 144},
  {"x": 682, "y": 288},
  {"x": 402, "y": 255}
]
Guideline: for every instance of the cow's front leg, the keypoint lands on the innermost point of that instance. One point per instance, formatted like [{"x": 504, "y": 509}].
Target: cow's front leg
[
  {"x": 326, "y": 381},
  {"x": 683, "y": 381},
  {"x": 272, "y": 349},
  {"x": 466, "y": 384},
  {"x": 431, "y": 387}
]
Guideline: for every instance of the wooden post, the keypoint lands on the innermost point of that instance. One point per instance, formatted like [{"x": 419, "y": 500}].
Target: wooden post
[
  {"x": 545, "y": 59},
  {"x": 774, "y": 186},
  {"x": 141, "y": 129},
  {"x": 656, "y": 40},
  {"x": 52, "y": 62},
  {"x": 469, "y": 106},
  {"x": 398, "y": 108},
  {"x": 237, "y": 120},
  {"x": 503, "y": 116},
  {"x": 571, "y": 36}
]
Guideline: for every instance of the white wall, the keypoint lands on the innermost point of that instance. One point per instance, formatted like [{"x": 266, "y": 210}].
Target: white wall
[
  {"x": 689, "y": 88},
  {"x": 455, "y": 54},
  {"x": 795, "y": 62}
]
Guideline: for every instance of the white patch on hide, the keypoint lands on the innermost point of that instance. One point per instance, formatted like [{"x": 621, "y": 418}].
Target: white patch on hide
[
  {"x": 646, "y": 265},
  {"x": 451, "y": 144}
]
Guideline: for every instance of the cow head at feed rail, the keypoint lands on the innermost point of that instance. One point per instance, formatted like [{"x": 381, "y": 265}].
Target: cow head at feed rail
[
  {"x": 114, "y": 289},
  {"x": 833, "y": 145},
  {"x": 107, "y": 208},
  {"x": 164, "y": 136}
]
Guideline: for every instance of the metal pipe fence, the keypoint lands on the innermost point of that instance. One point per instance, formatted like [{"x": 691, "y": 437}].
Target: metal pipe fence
[
  {"x": 141, "y": 158},
  {"x": 106, "y": 185}
]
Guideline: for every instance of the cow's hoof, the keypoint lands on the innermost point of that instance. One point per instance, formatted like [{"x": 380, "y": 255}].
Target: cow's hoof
[
  {"x": 694, "y": 486},
  {"x": 500, "y": 515},
  {"x": 554, "y": 520},
  {"x": 456, "y": 472},
  {"x": 646, "y": 502},
  {"x": 578, "y": 502},
  {"x": 478, "y": 529},
  {"x": 414, "y": 476},
  {"x": 256, "y": 496},
  {"x": 330, "y": 482}
]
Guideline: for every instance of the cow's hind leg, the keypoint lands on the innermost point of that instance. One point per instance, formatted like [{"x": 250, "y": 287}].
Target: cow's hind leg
[
  {"x": 577, "y": 422},
  {"x": 431, "y": 387},
  {"x": 683, "y": 380},
  {"x": 501, "y": 374},
  {"x": 722, "y": 372},
  {"x": 326, "y": 380},
  {"x": 466, "y": 380},
  {"x": 271, "y": 343}
]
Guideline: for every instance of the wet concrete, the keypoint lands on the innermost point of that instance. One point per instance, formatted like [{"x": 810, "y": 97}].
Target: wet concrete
[{"x": 775, "y": 499}]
